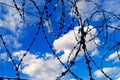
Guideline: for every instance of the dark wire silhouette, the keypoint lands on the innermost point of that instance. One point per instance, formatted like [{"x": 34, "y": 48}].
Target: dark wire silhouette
[{"x": 44, "y": 15}]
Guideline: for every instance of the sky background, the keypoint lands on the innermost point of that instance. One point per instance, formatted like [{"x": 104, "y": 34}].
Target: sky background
[{"x": 40, "y": 63}]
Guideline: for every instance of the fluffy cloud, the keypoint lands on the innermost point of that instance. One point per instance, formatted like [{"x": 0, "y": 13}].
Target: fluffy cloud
[
  {"x": 84, "y": 9},
  {"x": 40, "y": 68},
  {"x": 11, "y": 19},
  {"x": 12, "y": 40},
  {"x": 114, "y": 56},
  {"x": 68, "y": 41},
  {"x": 109, "y": 70},
  {"x": 10, "y": 24}
]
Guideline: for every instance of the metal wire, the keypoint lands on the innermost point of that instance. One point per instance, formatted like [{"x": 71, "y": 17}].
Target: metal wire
[{"x": 76, "y": 19}]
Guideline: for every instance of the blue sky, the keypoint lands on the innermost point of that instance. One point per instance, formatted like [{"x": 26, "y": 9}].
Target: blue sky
[{"x": 40, "y": 63}]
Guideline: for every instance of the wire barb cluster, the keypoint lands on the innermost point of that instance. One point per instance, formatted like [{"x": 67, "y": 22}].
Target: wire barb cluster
[{"x": 62, "y": 25}]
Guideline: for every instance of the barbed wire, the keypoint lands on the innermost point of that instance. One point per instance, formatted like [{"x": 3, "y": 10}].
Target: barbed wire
[
  {"x": 44, "y": 15},
  {"x": 11, "y": 58}
]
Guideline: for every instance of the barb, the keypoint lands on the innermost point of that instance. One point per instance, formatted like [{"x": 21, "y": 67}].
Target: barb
[
  {"x": 11, "y": 58},
  {"x": 23, "y": 9},
  {"x": 35, "y": 36},
  {"x": 18, "y": 9},
  {"x": 54, "y": 53},
  {"x": 115, "y": 46},
  {"x": 61, "y": 26}
]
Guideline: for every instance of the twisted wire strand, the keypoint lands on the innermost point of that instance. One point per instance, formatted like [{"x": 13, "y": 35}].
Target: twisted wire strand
[
  {"x": 45, "y": 36},
  {"x": 10, "y": 56},
  {"x": 103, "y": 28},
  {"x": 29, "y": 47},
  {"x": 83, "y": 35},
  {"x": 113, "y": 47},
  {"x": 54, "y": 53},
  {"x": 23, "y": 8},
  {"x": 35, "y": 36},
  {"x": 82, "y": 31},
  {"x": 18, "y": 9},
  {"x": 44, "y": 19}
]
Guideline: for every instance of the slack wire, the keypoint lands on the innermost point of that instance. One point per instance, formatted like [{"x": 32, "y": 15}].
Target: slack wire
[
  {"x": 44, "y": 16},
  {"x": 11, "y": 58},
  {"x": 41, "y": 19},
  {"x": 99, "y": 67},
  {"x": 44, "y": 19},
  {"x": 83, "y": 35},
  {"x": 104, "y": 24},
  {"x": 61, "y": 27},
  {"x": 54, "y": 53},
  {"x": 72, "y": 52},
  {"x": 115, "y": 46},
  {"x": 18, "y": 9},
  {"x": 45, "y": 36},
  {"x": 79, "y": 23},
  {"x": 80, "y": 29},
  {"x": 70, "y": 27},
  {"x": 35, "y": 36},
  {"x": 86, "y": 53},
  {"x": 71, "y": 62},
  {"x": 87, "y": 60}
]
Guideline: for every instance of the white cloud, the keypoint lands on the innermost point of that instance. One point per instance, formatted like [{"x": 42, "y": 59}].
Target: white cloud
[
  {"x": 109, "y": 71},
  {"x": 3, "y": 56},
  {"x": 73, "y": 79},
  {"x": 8, "y": 1},
  {"x": 11, "y": 26},
  {"x": 118, "y": 78},
  {"x": 85, "y": 8},
  {"x": 107, "y": 5},
  {"x": 68, "y": 41},
  {"x": 11, "y": 40},
  {"x": 94, "y": 52},
  {"x": 40, "y": 68},
  {"x": 11, "y": 20},
  {"x": 114, "y": 56},
  {"x": 48, "y": 25}
]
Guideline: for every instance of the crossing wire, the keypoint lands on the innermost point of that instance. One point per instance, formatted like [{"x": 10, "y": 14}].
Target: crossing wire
[{"x": 76, "y": 19}]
